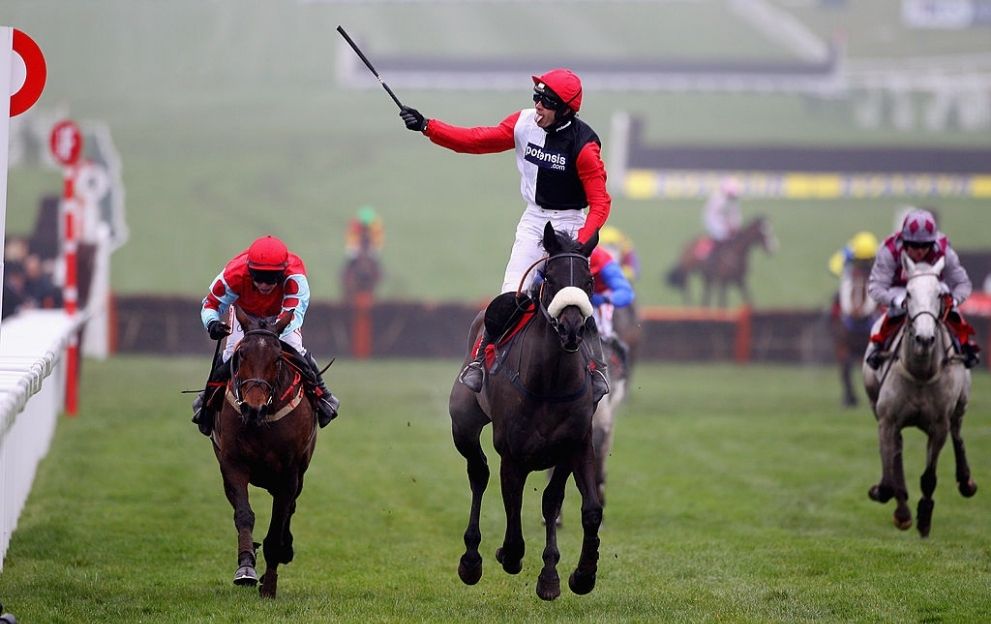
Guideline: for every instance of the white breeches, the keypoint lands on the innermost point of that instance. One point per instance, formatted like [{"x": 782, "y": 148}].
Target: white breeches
[
  {"x": 603, "y": 319},
  {"x": 293, "y": 338},
  {"x": 527, "y": 248}
]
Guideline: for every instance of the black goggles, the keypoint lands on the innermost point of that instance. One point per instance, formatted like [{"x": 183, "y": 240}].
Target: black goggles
[
  {"x": 547, "y": 100},
  {"x": 915, "y": 245},
  {"x": 266, "y": 277}
]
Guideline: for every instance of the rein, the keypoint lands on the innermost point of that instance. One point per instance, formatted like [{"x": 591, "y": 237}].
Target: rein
[{"x": 238, "y": 386}]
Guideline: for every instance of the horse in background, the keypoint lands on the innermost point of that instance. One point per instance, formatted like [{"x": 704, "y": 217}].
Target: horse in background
[
  {"x": 724, "y": 264},
  {"x": 264, "y": 436},
  {"x": 361, "y": 274},
  {"x": 603, "y": 420},
  {"x": 925, "y": 385},
  {"x": 853, "y": 314},
  {"x": 538, "y": 397}
]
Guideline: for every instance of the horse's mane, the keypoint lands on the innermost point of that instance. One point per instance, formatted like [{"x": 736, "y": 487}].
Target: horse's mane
[{"x": 565, "y": 243}]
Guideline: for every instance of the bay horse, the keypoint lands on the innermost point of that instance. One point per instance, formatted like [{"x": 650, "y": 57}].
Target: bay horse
[
  {"x": 361, "y": 274},
  {"x": 854, "y": 312},
  {"x": 539, "y": 401},
  {"x": 725, "y": 265},
  {"x": 924, "y": 385},
  {"x": 264, "y": 436}
]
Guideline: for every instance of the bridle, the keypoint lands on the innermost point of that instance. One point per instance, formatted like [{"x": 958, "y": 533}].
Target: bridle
[
  {"x": 240, "y": 385},
  {"x": 552, "y": 319}
]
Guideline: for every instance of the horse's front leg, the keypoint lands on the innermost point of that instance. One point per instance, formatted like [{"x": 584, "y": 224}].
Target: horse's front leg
[
  {"x": 892, "y": 482},
  {"x": 927, "y": 482},
  {"x": 236, "y": 489},
  {"x": 467, "y": 425},
  {"x": 510, "y": 554},
  {"x": 549, "y": 583},
  {"x": 277, "y": 544},
  {"x": 965, "y": 483},
  {"x": 582, "y": 580}
]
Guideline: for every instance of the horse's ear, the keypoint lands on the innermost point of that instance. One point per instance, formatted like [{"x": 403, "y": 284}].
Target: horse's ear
[
  {"x": 938, "y": 267},
  {"x": 907, "y": 264},
  {"x": 280, "y": 323},
  {"x": 550, "y": 242},
  {"x": 242, "y": 317},
  {"x": 589, "y": 246}
]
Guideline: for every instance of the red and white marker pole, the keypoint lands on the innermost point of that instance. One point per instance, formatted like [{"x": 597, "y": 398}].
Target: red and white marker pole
[{"x": 66, "y": 144}]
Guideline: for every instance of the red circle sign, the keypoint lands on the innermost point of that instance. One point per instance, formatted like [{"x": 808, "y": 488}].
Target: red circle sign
[
  {"x": 66, "y": 142},
  {"x": 36, "y": 72}
]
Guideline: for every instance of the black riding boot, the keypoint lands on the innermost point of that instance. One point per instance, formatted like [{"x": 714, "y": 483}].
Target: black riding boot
[
  {"x": 500, "y": 315},
  {"x": 205, "y": 408},
  {"x": 474, "y": 372},
  {"x": 600, "y": 384},
  {"x": 326, "y": 402},
  {"x": 970, "y": 351}
]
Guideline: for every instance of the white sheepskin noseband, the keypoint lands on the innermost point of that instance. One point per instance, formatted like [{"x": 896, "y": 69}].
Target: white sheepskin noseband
[{"x": 568, "y": 296}]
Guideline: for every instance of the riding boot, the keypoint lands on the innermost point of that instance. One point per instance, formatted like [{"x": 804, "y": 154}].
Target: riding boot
[
  {"x": 326, "y": 403},
  {"x": 970, "y": 351},
  {"x": 204, "y": 408},
  {"x": 474, "y": 371},
  {"x": 597, "y": 365},
  {"x": 875, "y": 355},
  {"x": 500, "y": 315}
]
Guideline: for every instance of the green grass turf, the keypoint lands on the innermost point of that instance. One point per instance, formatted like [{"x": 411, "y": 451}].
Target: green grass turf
[
  {"x": 231, "y": 123},
  {"x": 736, "y": 494}
]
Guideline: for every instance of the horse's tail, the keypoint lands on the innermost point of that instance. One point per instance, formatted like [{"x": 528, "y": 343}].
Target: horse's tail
[{"x": 676, "y": 277}]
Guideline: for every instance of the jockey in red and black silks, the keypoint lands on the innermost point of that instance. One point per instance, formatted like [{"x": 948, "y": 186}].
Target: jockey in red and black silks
[
  {"x": 561, "y": 174},
  {"x": 265, "y": 280},
  {"x": 920, "y": 239}
]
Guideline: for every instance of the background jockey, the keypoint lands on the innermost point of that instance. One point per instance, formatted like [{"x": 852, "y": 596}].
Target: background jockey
[
  {"x": 265, "y": 280},
  {"x": 722, "y": 217},
  {"x": 920, "y": 239},
  {"x": 610, "y": 290},
  {"x": 562, "y": 174},
  {"x": 621, "y": 248},
  {"x": 858, "y": 253},
  {"x": 365, "y": 233}
]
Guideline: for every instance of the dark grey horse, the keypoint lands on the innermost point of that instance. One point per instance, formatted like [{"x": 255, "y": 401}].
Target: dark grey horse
[
  {"x": 925, "y": 385},
  {"x": 539, "y": 401}
]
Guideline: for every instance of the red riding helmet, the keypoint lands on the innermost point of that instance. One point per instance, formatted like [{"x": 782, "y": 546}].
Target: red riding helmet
[
  {"x": 565, "y": 84},
  {"x": 268, "y": 254}
]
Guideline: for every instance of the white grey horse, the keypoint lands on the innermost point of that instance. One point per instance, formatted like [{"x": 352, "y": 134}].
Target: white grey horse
[{"x": 925, "y": 385}]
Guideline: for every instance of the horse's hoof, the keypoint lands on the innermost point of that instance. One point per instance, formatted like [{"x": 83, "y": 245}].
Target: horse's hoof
[
  {"x": 511, "y": 567},
  {"x": 581, "y": 584},
  {"x": 967, "y": 489},
  {"x": 903, "y": 523},
  {"x": 879, "y": 494},
  {"x": 268, "y": 585},
  {"x": 548, "y": 586},
  {"x": 470, "y": 568},
  {"x": 246, "y": 576}
]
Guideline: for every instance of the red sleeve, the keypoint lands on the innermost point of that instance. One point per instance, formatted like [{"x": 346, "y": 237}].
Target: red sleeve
[
  {"x": 592, "y": 173},
  {"x": 478, "y": 140}
]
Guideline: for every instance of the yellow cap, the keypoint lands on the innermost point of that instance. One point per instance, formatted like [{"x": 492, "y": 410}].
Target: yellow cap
[
  {"x": 608, "y": 235},
  {"x": 863, "y": 246}
]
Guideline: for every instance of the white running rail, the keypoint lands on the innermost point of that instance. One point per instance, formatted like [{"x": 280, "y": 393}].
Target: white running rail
[{"x": 32, "y": 388}]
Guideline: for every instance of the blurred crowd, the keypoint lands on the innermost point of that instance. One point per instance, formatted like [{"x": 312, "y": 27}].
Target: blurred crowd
[{"x": 28, "y": 280}]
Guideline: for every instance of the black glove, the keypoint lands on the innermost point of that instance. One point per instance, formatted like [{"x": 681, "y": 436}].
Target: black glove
[
  {"x": 413, "y": 119},
  {"x": 218, "y": 329}
]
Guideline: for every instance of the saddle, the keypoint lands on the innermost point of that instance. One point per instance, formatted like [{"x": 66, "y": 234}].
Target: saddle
[{"x": 501, "y": 344}]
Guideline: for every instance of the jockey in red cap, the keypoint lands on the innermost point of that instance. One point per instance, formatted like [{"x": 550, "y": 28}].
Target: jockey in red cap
[
  {"x": 920, "y": 240},
  {"x": 265, "y": 280},
  {"x": 562, "y": 174}
]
